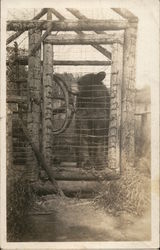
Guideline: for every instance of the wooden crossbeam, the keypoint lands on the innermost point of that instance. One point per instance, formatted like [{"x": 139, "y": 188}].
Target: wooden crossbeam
[
  {"x": 88, "y": 63},
  {"x": 68, "y": 25},
  {"x": 18, "y": 33},
  {"x": 84, "y": 39},
  {"x": 16, "y": 99},
  {"x": 126, "y": 14},
  {"x": 23, "y": 60},
  {"x": 78, "y": 15}
]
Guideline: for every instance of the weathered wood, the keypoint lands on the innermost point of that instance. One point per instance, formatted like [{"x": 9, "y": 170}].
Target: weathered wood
[
  {"x": 126, "y": 14},
  {"x": 68, "y": 187},
  {"x": 16, "y": 99},
  {"x": 115, "y": 107},
  {"x": 77, "y": 174},
  {"x": 68, "y": 25},
  {"x": 34, "y": 108},
  {"x": 17, "y": 34},
  {"x": 23, "y": 60},
  {"x": 84, "y": 39},
  {"x": 104, "y": 51},
  {"x": 41, "y": 159},
  {"x": 47, "y": 91},
  {"x": 45, "y": 34},
  {"x": 58, "y": 15},
  {"x": 128, "y": 98}
]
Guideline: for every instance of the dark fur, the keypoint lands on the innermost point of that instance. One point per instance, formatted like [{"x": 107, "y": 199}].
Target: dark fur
[{"x": 92, "y": 120}]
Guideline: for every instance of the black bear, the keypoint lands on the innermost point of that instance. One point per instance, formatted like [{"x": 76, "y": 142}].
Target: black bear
[{"x": 92, "y": 121}]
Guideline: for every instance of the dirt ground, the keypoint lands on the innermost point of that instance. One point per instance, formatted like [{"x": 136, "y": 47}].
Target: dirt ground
[{"x": 56, "y": 219}]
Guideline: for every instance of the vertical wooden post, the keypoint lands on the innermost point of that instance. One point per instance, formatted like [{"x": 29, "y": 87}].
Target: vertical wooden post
[
  {"x": 47, "y": 100},
  {"x": 115, "y": 107},
  {"x": 34, "y": 101},
  {"x": 128, "y": 97}
]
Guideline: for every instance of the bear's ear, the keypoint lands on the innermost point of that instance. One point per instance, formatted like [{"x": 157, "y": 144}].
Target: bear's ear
[{"x": 100, "y": 76}]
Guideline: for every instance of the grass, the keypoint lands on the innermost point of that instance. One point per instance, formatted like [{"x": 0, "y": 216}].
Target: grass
[{"x": 131, "y": 193}]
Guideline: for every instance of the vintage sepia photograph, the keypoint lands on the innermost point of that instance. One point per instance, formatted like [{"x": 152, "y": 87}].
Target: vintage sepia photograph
[{"x": 79, "y": 124}]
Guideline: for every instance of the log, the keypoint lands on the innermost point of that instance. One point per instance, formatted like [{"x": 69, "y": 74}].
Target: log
[
  {"x": 23, "y": 60},
  {"x": 34, "y": 108},
  {"x": 115, "y": 113},
  {"x": 17, "y": 34},
  {"x": 68, "y": 25},
  {"x": 104, "y": 51},
  {"x": 47, "y": 112},
  {"x": 78, "y": 174},
  {"x": 84, "y": 39},
  {"x": 77, "y": 63},
  {"x": 68, "y": 187},
  {"x": 128, "y": 98}
]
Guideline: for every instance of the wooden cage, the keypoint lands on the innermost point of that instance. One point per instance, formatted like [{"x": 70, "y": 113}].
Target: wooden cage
[{"x": 122, "y": 61}]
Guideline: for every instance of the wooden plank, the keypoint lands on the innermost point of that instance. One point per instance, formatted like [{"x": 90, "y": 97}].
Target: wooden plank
[
  {"x": 126, "y": 14},
  {"x": 23, "y": 60},
  {"x": 115, "y": 108},
  {"x": 17, "y": 34},
  {"x": 68, "y": 25},
  {"x": 104, "y": 51},
  {"x": 128, "y": 99},
  {"x": 84, "y": 39}
]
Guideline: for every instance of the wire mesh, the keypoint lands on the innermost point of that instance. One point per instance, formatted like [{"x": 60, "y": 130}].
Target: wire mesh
[{"x": 86, "y": 139}]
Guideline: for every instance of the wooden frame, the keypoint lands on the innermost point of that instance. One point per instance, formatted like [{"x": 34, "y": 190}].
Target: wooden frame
[{"x": 122, "y": 77}]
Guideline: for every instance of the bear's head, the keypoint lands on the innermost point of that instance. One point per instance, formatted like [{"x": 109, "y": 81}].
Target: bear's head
[{"x": 92, "y": 78}]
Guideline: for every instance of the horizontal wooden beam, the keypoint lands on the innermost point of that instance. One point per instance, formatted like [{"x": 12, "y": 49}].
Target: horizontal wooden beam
[
  {"x": 16, "y": 99},
  {"x": 78, "y": 174},
  {"x": 23, "y": 60},
  {"x": 85, "y": 39},
  {"x": 68, "y": 25},
  {"x": 85, "y": 63},
  {"x": 70, "y": 188},
  {"x": 126, "y": 14}
]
